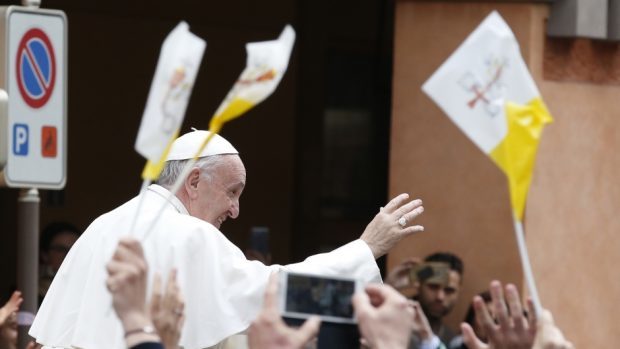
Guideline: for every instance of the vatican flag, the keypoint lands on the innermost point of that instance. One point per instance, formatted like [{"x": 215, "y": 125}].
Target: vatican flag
[
  {"x": 266, "y": 64},
  {"x": 179, "y": 61},
  {"x": 486, "y": 89}
]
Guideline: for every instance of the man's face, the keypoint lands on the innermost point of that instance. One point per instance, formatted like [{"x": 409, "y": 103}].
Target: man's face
[
  {"x": 59, "y": 247},
  {"x": 219, "y": 193},
  {"x": 436, "y": 299}
]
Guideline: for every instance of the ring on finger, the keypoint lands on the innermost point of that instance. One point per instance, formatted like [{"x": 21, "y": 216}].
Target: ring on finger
[
  {"x": 178, "y": 311},
  {"x": 402, "y": 221}
]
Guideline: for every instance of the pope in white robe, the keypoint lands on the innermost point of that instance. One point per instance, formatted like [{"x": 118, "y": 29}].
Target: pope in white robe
[{"x": 223, "y": 290}]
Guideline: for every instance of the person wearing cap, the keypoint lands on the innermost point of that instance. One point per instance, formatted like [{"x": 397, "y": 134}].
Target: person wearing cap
[{"x": 223, "y": 290}]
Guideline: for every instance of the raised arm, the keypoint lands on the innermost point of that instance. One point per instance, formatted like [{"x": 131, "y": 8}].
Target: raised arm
[{"x": 393, "y": 223}]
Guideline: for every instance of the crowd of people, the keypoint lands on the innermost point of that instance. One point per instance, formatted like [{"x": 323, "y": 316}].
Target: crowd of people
[
  {"x": 385, "y": 317},
  {"x": 212, "y": 292}
]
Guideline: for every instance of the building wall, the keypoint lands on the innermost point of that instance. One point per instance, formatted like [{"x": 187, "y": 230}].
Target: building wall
[
  {"x": 569, "y": 226},
  {"x": 575, "y": 197}
]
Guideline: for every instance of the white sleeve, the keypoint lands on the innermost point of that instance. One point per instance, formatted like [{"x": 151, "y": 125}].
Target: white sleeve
[{"x": 352, "y": 260}]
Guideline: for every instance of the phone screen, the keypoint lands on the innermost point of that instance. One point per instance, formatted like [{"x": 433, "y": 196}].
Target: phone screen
[
  {"x": 320, "y": 296},
  {"x": 436, "y": 272}
]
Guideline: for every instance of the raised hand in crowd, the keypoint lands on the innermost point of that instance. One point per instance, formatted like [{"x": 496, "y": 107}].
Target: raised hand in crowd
[
  {"x": 384, "y": 316},
  {"x": 11, "y": 307},
  {"x": 8, "y": 321},
  {"x": 513, "y": 329},
  {"x": 400, "y": 276},
  {"x": 268, "y": 331},
  {"x": 167, "y": 310},
  {"x": 127, "y": 275},
  {"x": 391, "y": 224}
]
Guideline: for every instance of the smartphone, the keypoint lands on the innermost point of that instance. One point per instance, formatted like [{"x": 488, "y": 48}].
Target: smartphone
[
  {"x": 259, "y": 240},
  {"x": 436, "y": 272},
  {"x": 304, "y": 295}
]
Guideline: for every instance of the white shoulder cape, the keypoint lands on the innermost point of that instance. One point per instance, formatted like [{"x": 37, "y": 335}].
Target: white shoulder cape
[{"x": 223, "y": 290}]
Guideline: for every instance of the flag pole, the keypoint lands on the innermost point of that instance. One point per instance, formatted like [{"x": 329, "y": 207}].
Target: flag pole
[
  {"x": 527, "y": 267},
  {"x": 145, "y": 183}
]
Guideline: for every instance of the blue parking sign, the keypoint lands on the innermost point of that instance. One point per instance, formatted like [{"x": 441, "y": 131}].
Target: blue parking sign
[{"x": 20, "y": 139}]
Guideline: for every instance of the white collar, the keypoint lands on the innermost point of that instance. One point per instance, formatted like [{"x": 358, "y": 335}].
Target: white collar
[{"x": 166, "y": 195}]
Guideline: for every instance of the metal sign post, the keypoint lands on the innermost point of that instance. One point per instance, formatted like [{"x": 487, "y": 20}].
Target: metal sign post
[{"x": 27, "y": 259}]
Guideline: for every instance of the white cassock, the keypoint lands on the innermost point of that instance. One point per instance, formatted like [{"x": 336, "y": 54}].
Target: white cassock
[{"x": 223, "y": 290}]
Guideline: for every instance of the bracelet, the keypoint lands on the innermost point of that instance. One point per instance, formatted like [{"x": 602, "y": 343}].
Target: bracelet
[{"x": 148, "y": 329}]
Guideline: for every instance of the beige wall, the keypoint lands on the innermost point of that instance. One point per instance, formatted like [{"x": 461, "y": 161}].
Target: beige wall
[
  {"x": 569, "y": 226},
  {"x": 573, "y": 236}
]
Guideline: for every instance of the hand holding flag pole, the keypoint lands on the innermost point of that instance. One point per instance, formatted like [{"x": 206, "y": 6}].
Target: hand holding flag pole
[
  {"x": 504, "y": 119},
  {"x": 266, "y": 64}
]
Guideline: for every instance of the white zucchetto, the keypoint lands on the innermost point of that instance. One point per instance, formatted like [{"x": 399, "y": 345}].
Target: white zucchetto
[{"x": 186, "y": 146}]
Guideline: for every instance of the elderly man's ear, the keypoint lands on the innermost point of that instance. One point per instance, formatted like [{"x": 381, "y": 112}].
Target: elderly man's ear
[{"x": 191, "y": 183}]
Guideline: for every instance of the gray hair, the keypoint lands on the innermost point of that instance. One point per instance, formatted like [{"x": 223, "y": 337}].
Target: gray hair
[{"x": 173, "y": 168}]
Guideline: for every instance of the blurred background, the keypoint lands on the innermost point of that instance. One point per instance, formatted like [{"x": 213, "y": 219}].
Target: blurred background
[{"x": 348, "y": 128}]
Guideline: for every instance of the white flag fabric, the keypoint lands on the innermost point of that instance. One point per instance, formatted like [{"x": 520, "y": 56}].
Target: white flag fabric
[
  {"x": 480, "y": 77},
  {"x": 179, "y": 61},
  {"x": 266, "y": 64},
  {"x": 487, "y": 91}
]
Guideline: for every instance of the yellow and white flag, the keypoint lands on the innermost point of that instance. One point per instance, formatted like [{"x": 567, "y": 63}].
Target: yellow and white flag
[
  {"x": 179, "y": 61},
  {"x": 486, "y": 89},
  {"x": 266, "y": 64}
]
